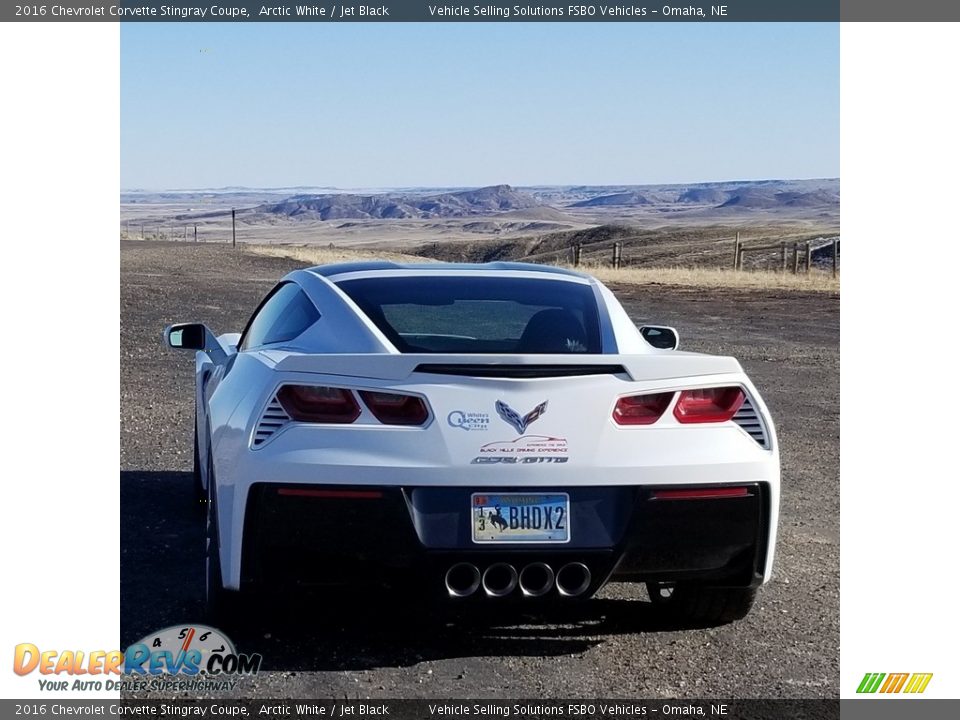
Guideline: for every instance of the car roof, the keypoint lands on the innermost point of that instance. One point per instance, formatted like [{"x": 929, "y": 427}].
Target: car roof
[{"x": 426, "y": 268}]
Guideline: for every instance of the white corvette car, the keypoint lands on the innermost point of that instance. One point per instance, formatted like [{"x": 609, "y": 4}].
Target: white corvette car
[{"x": 487, "y": 433}]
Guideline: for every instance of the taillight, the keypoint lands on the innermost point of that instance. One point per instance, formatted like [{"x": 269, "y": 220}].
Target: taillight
[
  {"x": 318, "y": 404},
  {"x": 641, "y": 409},
  {"x": 395, "y": 409},
  {"x": 708, "y": 405}
]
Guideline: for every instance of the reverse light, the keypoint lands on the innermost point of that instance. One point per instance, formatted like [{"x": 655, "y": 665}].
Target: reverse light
[
  {"x": 641, "y": 409},
  {"x": 396, "y": 409},
  {"x": 708, "y": 405},
  {"x": 319, "y": 404}
]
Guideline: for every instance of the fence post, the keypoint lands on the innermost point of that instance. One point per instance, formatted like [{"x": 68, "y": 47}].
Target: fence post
[
  {"x": 783, "y": 256},
  {"x": 195, "y": 232},
  {"x": 796, "y": 258},
  {"x": 834, "y": 250},
  {"x": 736, "y": 253},
  {"x": 233, "y": 223},
  {"x": 577, "y": 254},
  {"x": 617, "y": 254},
  {"x": 809, "y": 257}
]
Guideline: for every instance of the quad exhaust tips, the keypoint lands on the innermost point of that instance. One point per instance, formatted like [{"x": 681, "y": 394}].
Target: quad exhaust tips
[
  {"x": 462, "y": 580},
  {"x": 501, "y": 579},
  {"x": 573, "y": 579},
  {"x": 536, "y": 579}
]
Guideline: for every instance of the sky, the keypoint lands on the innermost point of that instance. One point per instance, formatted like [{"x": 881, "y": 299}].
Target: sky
[{"x": 452, "y": 105}]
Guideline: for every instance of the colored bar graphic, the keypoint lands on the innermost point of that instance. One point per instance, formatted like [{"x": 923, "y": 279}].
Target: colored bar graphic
[{"x": 895, "y": 682}]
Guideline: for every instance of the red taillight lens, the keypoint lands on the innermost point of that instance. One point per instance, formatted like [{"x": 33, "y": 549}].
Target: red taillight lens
[
  {"x": 708, "y": 405},
  {"x": 699, "y": 493},
  {"x": 641, "y": 409},
  {"x": 394, "y": 409},
  {"x": 317, "y": 404},
  {"x": 332, "y": 494}
]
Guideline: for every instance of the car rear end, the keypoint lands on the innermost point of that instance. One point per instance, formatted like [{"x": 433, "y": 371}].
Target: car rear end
[{"x": 502, "y": 477}]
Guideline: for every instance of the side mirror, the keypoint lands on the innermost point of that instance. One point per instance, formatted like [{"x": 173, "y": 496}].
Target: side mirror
[
  {"x": 186, "y": 336},
  {"x": 195, "y": 336},
  {"x": 661, "y": 337}
]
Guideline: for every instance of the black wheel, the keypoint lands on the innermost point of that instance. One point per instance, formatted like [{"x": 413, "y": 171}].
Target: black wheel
[
  {"x": 223, "y": 607},
  {"x": 199, "y": 494},
  {"x": 700, "y": 605}
]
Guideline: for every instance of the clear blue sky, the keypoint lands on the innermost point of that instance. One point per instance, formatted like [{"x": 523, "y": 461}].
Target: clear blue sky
[{"x": 377, "y": 105}]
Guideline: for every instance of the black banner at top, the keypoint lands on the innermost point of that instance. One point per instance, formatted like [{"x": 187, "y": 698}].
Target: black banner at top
[
  {"x": 333, "y": 11},
  {"x": 482, "y": 11}
]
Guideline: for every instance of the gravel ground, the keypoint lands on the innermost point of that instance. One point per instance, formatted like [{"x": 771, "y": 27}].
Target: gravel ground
[{"x": 608, "y": 647}]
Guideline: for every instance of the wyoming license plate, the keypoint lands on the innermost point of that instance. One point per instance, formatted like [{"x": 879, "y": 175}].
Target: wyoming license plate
[{"x": 520, "y": 517}]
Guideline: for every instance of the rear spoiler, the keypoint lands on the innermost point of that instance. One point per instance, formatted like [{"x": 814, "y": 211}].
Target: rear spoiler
[{"x": 382, "y": 366}]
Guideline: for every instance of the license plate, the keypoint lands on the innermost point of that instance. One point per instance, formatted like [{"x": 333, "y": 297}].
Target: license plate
[{"x": 520, "y": 517}]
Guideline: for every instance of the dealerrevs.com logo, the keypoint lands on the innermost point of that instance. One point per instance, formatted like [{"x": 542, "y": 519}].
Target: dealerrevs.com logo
[
  {"x": 181, "y": 657},
  {"x": 909, "y": 683}
]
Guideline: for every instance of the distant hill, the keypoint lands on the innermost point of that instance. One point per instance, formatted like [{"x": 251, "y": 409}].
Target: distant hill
[
  {"x": 729, "y": 196},
  {"x": 703, "y": 196},
  {"x": 626, "y": 198},
  {"x": 482, "y": 201},
  {"x": 772, "y": 198}
]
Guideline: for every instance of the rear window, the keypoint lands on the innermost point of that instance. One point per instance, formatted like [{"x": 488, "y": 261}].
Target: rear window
[{"x": 462, "y": 314}]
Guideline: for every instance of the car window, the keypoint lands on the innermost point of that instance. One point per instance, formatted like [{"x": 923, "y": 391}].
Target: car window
[
  {"x": 285, "y": 315},
  {"x": 480, "y": 314}
]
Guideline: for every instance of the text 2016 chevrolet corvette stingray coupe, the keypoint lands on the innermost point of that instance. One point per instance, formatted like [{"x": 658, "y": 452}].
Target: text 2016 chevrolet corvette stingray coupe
[{"x": 487, "y": 433}]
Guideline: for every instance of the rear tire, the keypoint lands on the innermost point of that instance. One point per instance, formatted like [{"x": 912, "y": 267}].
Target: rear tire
[
  {"x": 223, "y": 608},
  {"x": 700, "y": 605}
]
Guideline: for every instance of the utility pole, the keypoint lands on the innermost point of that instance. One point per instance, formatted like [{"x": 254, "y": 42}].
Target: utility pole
[{"x": 233, "y": 221}]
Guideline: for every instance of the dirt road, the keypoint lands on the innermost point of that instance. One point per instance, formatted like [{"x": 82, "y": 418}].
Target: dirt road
[{"x": 609, "y": 647}]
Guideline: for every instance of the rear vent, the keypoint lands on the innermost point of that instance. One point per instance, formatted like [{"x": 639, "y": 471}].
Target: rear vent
[
  {"x": 520, "y": 371},
  {"x": 748, "y": 418},
  {"x": 274, "y": 418}
]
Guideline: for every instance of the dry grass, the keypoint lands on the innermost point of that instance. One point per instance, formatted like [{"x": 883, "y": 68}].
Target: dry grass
[
  {"x": 323, "y": 256},
  {"x": 817, "y": 281}
]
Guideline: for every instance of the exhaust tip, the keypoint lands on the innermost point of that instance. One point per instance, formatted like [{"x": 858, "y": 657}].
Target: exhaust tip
[
  {"x": 573, "y": 579},
  {"x": 462, "y": 580},
  {"x": 499, "y": 580},
  {"x": 536, "y": 579}
]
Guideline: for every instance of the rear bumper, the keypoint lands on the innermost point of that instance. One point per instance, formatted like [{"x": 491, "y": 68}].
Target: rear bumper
[{"x": 309, "y": 535}]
